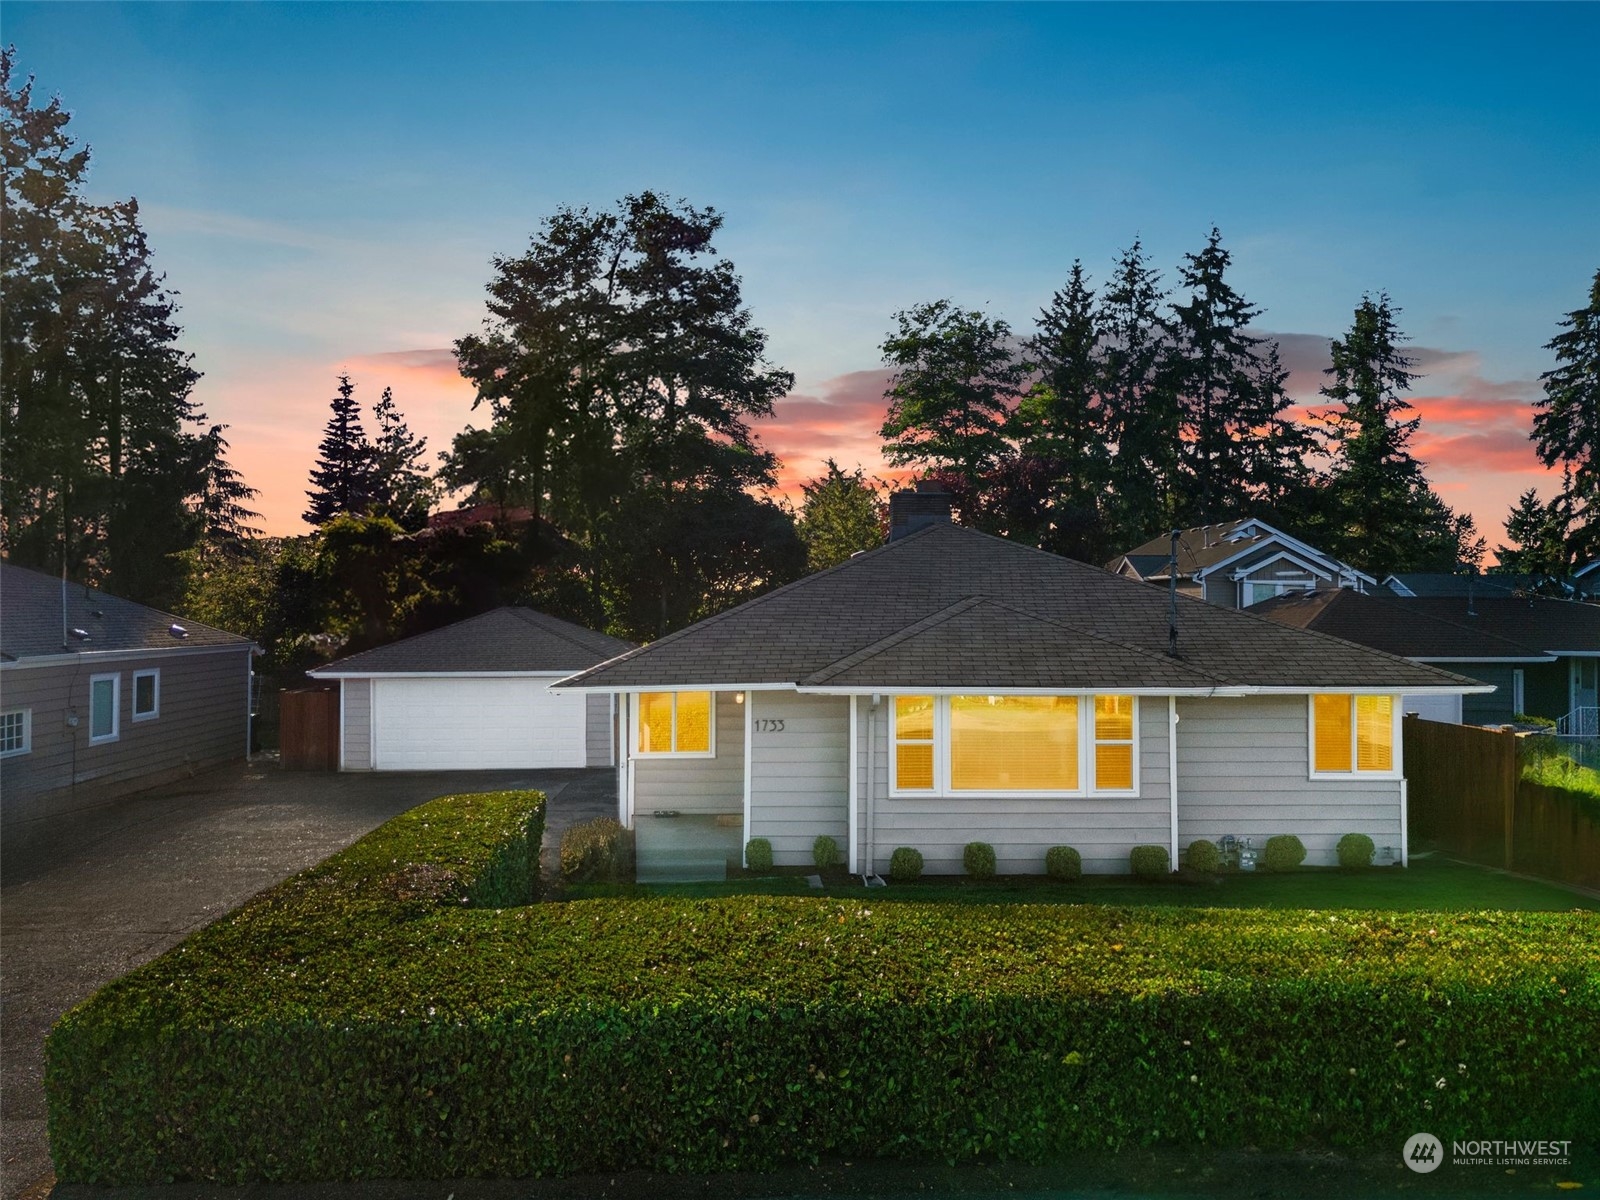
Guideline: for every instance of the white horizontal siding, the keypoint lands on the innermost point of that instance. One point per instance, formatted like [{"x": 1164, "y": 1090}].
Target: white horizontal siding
[
  {"x": 799, "y": 776},
  {"x": 357, "y": 724},
  {"x": 697, "y": 785},
  {"x": 1244, "y": 769},
  {"x": 1103, "y": 829}
]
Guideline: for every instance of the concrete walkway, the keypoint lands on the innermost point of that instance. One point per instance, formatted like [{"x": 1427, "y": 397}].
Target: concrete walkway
[{"x": 86, "y": 898}]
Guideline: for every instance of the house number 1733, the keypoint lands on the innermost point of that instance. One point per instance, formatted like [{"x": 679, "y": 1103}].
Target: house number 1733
[{"x": 769, "y": 724}]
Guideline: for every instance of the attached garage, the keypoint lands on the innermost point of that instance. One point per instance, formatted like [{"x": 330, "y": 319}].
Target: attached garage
[{"x": 476, "y": 696}]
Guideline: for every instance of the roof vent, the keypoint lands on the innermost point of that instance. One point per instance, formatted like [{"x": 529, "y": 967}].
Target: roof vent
[
  {"x": 81, "y": 634},
  {"x": 177, "y": 631}
]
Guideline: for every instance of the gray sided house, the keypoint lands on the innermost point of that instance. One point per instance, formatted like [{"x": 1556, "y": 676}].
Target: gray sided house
[
  {"x": 101, "y": 697},
  {"x": 1541, "y": 655},
  {"x": 1238, "y": 564},
  {"x": 954, "y": 687},
  {"x": 476, "y": 696}
]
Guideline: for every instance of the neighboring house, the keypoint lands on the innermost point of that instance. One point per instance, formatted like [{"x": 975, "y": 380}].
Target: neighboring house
[
  {"x": 1443, "y": 583},
  {"x": 1238, "y": 563},
  {"x": 1527, "y": 679},
  {"x": 475, "y": 696},
  {"x": 100, "y": 696},
  {"x": 953, "y": 687}
]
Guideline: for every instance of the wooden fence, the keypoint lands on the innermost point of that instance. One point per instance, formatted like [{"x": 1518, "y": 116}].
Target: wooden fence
[
  {"x": 308, "y": 729},
  {"x": 1466, "y": 794}
]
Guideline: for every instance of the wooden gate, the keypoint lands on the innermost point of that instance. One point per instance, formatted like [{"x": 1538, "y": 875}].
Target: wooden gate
[{"x": 308, "y": 729}]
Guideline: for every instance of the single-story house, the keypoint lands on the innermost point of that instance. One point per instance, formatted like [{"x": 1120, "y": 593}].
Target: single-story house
[
  {"x": 475, "y": 696},
  {"x": 953, "y": 687},
  {"x": 1238, "y": 563},
  {"x": 1526, "y": 678},
  {"x": 100, "y": 696}
]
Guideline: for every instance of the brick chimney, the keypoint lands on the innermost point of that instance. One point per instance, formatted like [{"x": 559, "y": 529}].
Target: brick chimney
[{"x": 926, "y": 503}]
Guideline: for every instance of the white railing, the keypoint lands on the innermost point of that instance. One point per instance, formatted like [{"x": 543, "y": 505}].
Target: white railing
[{"x": 1580, "y": 722}]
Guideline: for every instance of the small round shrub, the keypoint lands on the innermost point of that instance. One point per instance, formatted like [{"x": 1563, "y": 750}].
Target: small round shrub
[
  {"x": 1283, "y": 852},
  {"x": 1149, "y": 862},
  {"x": 905, "y": 864},
  {"x": 758, "y": 854},
  {"x": 1356, "y": 851},
  {"x": 1063, "y": 863},
  {"x": 600, "y": 850},
  {"x": 978, "y": 859},
  {"x": 1204, "y": 856},
  {"x": 825, "y": 853}
]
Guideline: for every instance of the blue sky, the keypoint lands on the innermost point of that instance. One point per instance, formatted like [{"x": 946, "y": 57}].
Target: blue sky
[{"x": 325, "y": 184}]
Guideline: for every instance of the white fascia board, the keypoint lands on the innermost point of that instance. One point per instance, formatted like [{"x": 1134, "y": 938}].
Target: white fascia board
[
  {"x": 1531, "y": 658},
  {"x": 634, "y": 689},
  {"x": 110, "y": 656},
  {"x": 1281, "y": 555},
  {"x": 1571, "y": 654},
  {"x": 987, "y": 690},
  {"x": 438, "y": 674},
  {"x": 1295, "y": 547}
]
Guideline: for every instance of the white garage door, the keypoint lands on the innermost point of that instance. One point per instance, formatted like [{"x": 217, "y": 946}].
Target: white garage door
[{"x": 474, "y": 724}]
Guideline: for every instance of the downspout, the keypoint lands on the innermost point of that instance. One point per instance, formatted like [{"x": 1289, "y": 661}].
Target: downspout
[
  {"x": 869, "y": 867},
  {"x": 1172, "y": 771}
]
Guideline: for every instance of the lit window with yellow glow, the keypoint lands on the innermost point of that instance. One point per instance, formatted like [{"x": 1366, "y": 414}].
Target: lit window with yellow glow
[
  {"x": 1352, "y": 734},
  {"x": 1113, "y": 743},
  {"x": 1013, "y": 743},
  {"x": 913, "y": 743},
  {"x": 674, "y": 723}
]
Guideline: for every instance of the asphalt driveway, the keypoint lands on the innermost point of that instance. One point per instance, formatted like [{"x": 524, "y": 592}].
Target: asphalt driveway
[{"x": 86, "y": 898}]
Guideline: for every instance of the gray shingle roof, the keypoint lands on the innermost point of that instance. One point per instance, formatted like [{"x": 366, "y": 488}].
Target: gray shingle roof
[
  {"x": 1443, "y": 583},
  {"x": 1393, "y": 624},
  {"x": 501, "y": 640},
  {"x": 1550, "y": 626},
  {"x": 30, "y": 620},
  {"x": 948, "y": 607}
]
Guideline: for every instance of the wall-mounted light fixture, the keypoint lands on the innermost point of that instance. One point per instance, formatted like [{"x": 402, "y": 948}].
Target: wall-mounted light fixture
[{"x": 738, "y": 697}]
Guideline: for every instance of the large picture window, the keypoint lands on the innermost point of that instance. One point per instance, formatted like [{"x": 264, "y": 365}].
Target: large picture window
[
  {"x": 1012, "y": 745},
  {"x": 1352, "y": 735},
  {"x": 674, "y": 723}
]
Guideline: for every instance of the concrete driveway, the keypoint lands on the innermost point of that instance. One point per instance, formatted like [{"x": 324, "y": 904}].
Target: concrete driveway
[{"x": 86, "y": 898}]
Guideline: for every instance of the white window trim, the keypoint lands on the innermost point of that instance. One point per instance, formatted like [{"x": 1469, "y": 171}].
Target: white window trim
[
  {"x": 116, "y": 709},
  {"x": 633, "y": 728},
  {"x": 1396, "y": 717},
  {"x": 153, "y": 673},
  {"x": 941, "y": 758},
  {"x": 27, "y": 732}
]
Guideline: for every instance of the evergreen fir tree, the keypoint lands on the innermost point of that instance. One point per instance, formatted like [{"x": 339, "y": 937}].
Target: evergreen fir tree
[
  {"x": 1538, "y": 535},
  {"x": 1566, "y": 423},
  {"x": 344, "y": 478},
  {"x": 1061, "y": 422},
  {"x": 842, "y": 514},
  {"x": 1388, "y": 517},
  {"x": 402, "y": 488},
  {"x": 1141, "y": 412}
]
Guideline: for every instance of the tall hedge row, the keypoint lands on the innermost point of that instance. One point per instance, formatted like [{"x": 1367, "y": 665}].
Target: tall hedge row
[{"x": 316, "y": 1035}]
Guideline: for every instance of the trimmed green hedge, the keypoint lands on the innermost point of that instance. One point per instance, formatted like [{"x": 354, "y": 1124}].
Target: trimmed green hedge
[{"x": 309, "y": 1037}]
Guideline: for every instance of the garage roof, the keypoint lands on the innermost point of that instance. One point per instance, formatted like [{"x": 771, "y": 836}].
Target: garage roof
[{"x": 503, "y": 641}]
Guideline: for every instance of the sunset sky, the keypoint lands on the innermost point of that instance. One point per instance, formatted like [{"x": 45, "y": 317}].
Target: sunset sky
[{"x": 326, "y": 184}]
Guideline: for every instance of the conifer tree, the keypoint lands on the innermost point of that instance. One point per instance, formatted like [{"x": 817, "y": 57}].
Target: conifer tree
[
  {"x": 842, "y": 514},
  {"x": 345, "y": 476},
  {"x": 1388, "y": 517},
  {"x": 402, "y": 489},
  {"x": 1141, "y": 412},
  {"x": 1061, "y": 421},
  {"x": 1566, "y": 423}
]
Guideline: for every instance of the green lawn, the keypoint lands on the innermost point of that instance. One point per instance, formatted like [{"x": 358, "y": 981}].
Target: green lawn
[{"x": 1429, "y": 884}]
